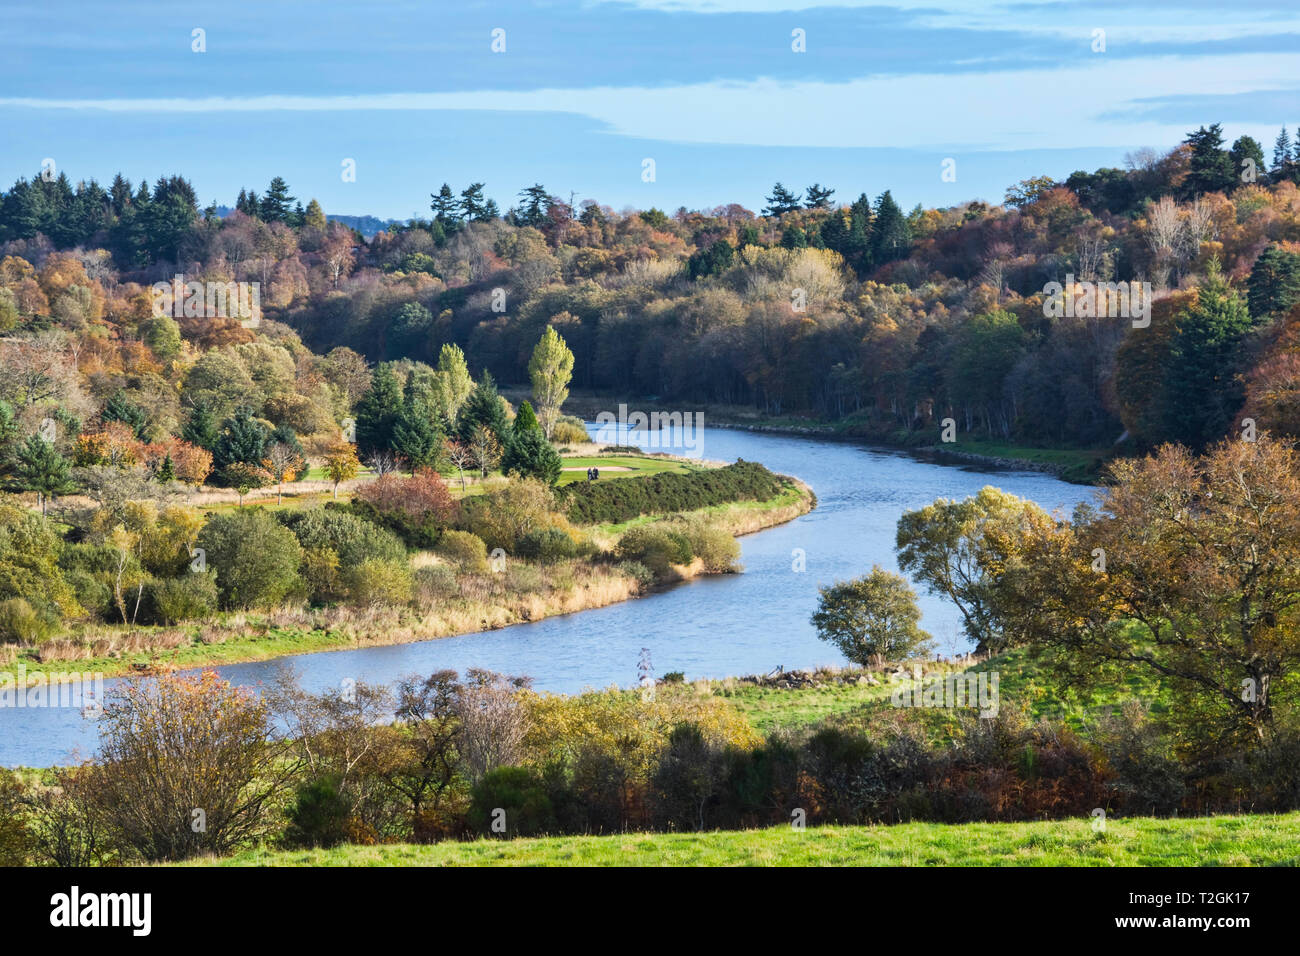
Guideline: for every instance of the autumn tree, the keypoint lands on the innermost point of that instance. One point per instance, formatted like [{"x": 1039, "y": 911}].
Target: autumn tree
[
  {"x": 341, "y": 465},
  {"x": 550, "y": 369}
]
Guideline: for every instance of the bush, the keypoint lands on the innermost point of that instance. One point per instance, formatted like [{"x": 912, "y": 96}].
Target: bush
[
  {"x": 719, "y": 551},
  {"x": 635, "y": 569},
  {"x": 319, "y": 815},
  {"x": 467, "y": 551},
  {"x": 595, "y": 502},
  {"x": 352, "y": 538},
  {"x": 435, "y": 584},
  {"x": 254, "y": 556},
  {"x": 547, "y": 545},
  {"x": 376, "y": 581},
  {"x": 502, "y": 517},
  {"x": 185, "y": 598},
  {"x": 418, "y": 508},
  {"x": 656, "y": 547},
  {"x": 521, "y": 794},
  {"x": 20, "y": 623},
  {"x": 569, "y": 431}
]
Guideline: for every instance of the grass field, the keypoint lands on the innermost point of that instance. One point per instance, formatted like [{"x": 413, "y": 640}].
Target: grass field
[
  {"x": 1263, "y": 840},
  {"x": 623, "y": 466}
]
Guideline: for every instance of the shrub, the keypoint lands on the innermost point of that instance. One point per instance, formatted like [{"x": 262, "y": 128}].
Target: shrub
[
  {"x": 20, "y": 623},
  {"x": 569, "y": 431},
  {"x": 377, "y": 581},
  {"x": 254, "y": 556},
  {"x": 502, "y": 517},
  {"x": 594, "y": 502},
  {"x": 635, "y": 569},
  {"x": 185, "y": 598},
  {"x": 418, "y": 508},
  {"x": 435, "y": 584},
  {"x": 465, "y": 550},
  {"x": 319, "y": 815},
  {"x": 656, "y": 547},
  {"x": 547, "y": 545},
  {"x": 521, "y": 794},
  {"x": 352, "y": 538},
  {"x": 719, "y": 551}
]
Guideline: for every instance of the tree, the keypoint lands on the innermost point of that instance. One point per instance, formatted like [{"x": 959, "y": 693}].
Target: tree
[
  {"x": 947, "y": 547},
  {"x": 176, "y": 751},
  {"x": 341, "y": 465},
  {"x": 462, "y": 457},
  {"x": 781, "y": 201},
  {"x": 445, "y": 209},
  {"x": 377, "y": 412},
  {"x": 890, "y": 234},
  {"x": 416, "y": 437},
  {"x": 534, "y": 207},
  {"x": 818, "y": 196},
  {"x": 454, "y": 382},
  {"x": 1202, "y": 390},
  {"x": 39, "y": 467},
  {"x": 1274, "y": 284},
  {"x": 550, "y": 369},
  {"x": 485, "y": 448},
  {"x": 1029, "y": 191},
  {"x": 1186, "y": 570},
  {"x": 1210, "y": 167},
  {"x": 201, "y": 428},
  {"x": 1247, "y": 157},
  {"x": 427, "y": 709},
  {"x": 244, "y": 476},
  {"x": 482, "y": 408},
  {"x": 872, "y": 619},
  {"x": 528, "y": 453},
  {"x": 243, "y": 441},
  {"x": 254, "y": 556},
  {"x": 280, "y": 462},
  {"x": 473, "y": 207},
  {"x": 277, "y": 204}
]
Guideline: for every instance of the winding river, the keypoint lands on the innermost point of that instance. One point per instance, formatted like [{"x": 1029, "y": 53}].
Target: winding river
[{"x": 710, "y": 627}]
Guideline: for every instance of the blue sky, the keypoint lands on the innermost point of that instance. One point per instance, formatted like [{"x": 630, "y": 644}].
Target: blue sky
[{"x": 586, "y": 90}]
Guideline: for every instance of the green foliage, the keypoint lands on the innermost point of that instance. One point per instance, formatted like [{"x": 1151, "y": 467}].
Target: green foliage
[
  {"x": 1274, "y": 284},
  {"x": 617, "y": 501},
  {"x": 519, "y": 792},
  {"x": 656, "y": 547},
  {"x": 378, "y": 410},
  {"x": 463, "y": 549},
  {"x": 529, "y": 455},
  {"x": 319, "y": 815},
  {"x": 547, "y": 545},
  {"x": 872, "y": 618},
  {"x": 190, "y": 597},
  {"x": 20, "y": 623},
  {"x": 254, "y": 556}
]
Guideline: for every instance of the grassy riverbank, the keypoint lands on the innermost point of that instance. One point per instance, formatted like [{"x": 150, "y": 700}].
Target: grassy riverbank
[
  {"x": 1076, "y": 465},
  {"x": 1255, "y": 840},
  {"x": 523, "y": 592}
]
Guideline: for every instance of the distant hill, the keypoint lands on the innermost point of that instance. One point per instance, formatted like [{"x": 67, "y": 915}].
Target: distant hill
[{"x": 368, "y": 226}]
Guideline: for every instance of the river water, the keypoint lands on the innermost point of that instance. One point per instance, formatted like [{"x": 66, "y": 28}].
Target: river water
[{"x": 710, "y": 627}]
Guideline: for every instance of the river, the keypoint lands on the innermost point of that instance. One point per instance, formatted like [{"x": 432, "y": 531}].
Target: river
[{"x": 709, "y": 627}]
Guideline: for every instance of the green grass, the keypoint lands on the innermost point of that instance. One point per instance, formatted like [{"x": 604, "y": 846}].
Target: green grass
[
  {"x": 1263, "y": 840},
  {"x": 640, "y": 467},
  {"x": 1073, "y": 464}
]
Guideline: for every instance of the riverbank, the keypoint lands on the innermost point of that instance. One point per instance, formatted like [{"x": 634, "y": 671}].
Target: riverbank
[
  {"x": 1081, "y": 466},
  {"x": 523, "y": 592}
]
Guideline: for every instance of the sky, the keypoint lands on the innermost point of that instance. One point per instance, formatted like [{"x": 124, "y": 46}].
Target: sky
[{"x": 589, "y": 97}]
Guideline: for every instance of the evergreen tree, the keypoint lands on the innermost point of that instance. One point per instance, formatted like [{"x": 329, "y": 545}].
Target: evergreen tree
[
  {"x": 818, "y": 196},
  {"x": 781, "y": 201},
  {"x": 889, "y": 235},
  {"x": 1202, "y": 389},
  {"x": 416, "y": 435},
  {"x": 794, "y": 238},
  {"x": 39, "y": 467},
  {"x": 527, "y": 452},
  {"x": 483, "y": 407},
  {"x": 1281, "y": 152},
  {"x": 119, "y": 409},
  {"x": 377, "y": 411},
  {"x": 446, "y": 211},
  {"x": 243, "y": 440},
  {"x": 201, "y": 429},
  {"x": 1210, "y": 169},
  {"x": 534, "y": 207},
  {"x": 166, "y": 471},
  {"x": 473, "y": 207},
  {"x": 277, "y": 204},
  {"x": 1247, "y": 160},
  {"x": 1274, "y": 283}
]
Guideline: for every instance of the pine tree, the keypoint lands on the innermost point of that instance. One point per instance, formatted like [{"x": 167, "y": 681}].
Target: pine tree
[
  {"x": 276, "y": 205},
  {"x": 781, "y": 201},
  {"x": 377, "y": 411},
  {"x": 1210, "y": 169},
  {"x": 39, "y": 467},
  {"x": 201, "y": 429},
  {"x": 1274, "y": 283},
  {"x": 446, "y": 211},
  {"x": 889, "y": 235},
  {"x": 1281, "y": 153},
  {"x": 483, "y": 408},
  {"x": 818, "y": 196}
]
